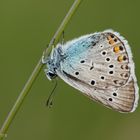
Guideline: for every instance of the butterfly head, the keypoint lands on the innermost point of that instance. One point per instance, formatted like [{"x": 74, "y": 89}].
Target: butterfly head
[
  {"x": 51, "y": 75},
  {"x": 51, "y": 69}
]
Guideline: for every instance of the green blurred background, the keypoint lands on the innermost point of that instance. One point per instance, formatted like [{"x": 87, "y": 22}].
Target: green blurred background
[{"x": 26, "y": 27}]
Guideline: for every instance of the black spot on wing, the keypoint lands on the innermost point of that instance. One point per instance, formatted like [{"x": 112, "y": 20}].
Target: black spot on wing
[
  {"x": 76, "y": 79},
  {"x": 71, "y": 76}
]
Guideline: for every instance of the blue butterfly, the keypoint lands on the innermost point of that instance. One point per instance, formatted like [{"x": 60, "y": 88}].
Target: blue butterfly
[{"x": 100, "y": 65}]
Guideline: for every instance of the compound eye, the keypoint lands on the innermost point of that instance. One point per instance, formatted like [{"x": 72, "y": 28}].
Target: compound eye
[{"x": 51, "y": 75}]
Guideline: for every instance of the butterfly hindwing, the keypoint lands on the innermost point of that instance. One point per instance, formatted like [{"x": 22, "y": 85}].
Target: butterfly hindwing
[{"x": 100, "y": 65}]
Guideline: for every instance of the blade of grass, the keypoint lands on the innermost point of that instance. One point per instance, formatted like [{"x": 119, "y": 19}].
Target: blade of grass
[{"x": 10, "y": 117}]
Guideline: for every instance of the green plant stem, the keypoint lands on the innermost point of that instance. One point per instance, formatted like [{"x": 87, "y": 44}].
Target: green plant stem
[
  {"x": 62, "y": 26},
  {"x": 36, "y": 71}
]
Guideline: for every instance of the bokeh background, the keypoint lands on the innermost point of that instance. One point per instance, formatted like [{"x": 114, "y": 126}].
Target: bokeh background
[{"x": 26, "y": 28}]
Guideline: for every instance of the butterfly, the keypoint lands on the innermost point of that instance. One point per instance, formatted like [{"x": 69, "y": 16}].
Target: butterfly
[{"x": 100, "y": 65}]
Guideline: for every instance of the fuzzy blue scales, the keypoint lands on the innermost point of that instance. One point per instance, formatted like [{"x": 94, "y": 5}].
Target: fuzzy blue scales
[{"x": 65, "y": 56}]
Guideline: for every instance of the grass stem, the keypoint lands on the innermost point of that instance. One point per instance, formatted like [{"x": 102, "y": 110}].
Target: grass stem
[{"x": 10, "y": 117}]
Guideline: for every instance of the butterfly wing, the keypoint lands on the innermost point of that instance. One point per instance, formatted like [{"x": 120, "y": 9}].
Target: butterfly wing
[{"x": 100, "y": 65}]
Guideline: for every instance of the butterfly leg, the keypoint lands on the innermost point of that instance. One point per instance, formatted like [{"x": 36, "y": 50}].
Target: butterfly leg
[
  {"x": 44, "y": 61},
  {"x": 63, "y": 37},
  {"x": 46, "y": 52},
  {"x": 62, "y": 40},
  {"x": 46, "y": 70}
]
